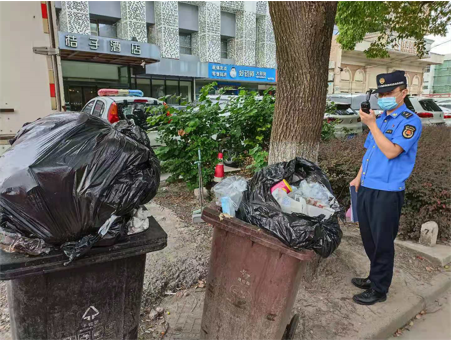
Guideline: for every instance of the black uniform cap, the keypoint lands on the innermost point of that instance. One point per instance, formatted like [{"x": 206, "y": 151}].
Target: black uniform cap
[{"x": 387, "y": 82}]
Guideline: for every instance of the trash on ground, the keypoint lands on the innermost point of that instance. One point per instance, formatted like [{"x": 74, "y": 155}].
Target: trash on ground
[
  {"x": 279, "y": 213},
  {"x": 73, "y": 180}
]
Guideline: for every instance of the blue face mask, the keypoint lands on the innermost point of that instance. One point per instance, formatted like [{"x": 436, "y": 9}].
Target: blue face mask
[{"x": 387, "y": 103}]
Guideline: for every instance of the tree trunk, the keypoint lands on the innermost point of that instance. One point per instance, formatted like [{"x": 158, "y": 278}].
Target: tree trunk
[{"x": 303, "y": 33}]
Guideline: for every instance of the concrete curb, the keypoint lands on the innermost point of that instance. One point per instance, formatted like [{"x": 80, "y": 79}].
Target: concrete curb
[{"x": 440, "y": 284}]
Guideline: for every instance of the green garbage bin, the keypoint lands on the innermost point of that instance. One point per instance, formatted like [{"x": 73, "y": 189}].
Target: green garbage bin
[
  {"x": 93, "y": 298},
  {"x": 252, "y": 282}
]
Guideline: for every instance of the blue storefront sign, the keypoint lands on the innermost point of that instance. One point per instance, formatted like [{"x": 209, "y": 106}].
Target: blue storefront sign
[{"x": 241, "y": 73}]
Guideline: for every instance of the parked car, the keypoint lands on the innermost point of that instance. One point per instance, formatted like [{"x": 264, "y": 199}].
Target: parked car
[
  {"x": 355, "y": 100},
  {"x": 445, "y": 106},
  {"x": 426, "y": 108},
  {"x": 347, "y": 121},
  {"x": 113, "y": 105}
]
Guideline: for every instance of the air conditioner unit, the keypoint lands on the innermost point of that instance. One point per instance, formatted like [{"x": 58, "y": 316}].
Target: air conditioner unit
[
  {"x": 330, "y": 77},
  {"x": 331, "y": 64}
]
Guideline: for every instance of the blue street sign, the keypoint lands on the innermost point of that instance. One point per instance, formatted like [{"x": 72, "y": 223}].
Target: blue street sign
[{"x": 241, "y": 73}]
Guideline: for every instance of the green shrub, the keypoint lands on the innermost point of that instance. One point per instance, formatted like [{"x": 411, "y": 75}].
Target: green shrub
[
  {"x": 428, "y": 192},
  {"x": 185, "y": 131},
  {"x": 250, "y": 120},
  {"x": 259, "y": 158},
  {"x": 245, "y": 131}
]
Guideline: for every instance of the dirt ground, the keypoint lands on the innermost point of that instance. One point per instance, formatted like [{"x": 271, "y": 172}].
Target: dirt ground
[{"x": 324, "y": 302}]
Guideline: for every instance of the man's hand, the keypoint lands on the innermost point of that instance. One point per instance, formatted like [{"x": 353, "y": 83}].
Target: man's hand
[
  {"x": 369, "y": 119},
  {"x": 356, "y": 181}
]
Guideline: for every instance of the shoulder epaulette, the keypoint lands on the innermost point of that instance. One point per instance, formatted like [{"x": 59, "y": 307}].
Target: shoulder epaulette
[{"x": 407, "y": 114}]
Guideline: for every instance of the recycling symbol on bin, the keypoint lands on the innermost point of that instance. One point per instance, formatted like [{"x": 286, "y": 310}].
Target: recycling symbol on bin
[{"x": 90, "y": 313}]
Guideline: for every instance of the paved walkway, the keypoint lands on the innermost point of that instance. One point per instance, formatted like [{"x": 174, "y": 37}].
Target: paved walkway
[
  {"x": 434, "y": 325},
  {"x": 185, "y": 315}
]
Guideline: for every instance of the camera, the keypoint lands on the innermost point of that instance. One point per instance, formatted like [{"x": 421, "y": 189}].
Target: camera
[{"x": 365, "y": 106}]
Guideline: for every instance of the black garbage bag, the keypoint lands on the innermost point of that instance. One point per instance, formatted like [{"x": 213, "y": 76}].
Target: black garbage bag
[
  {"x": 297, "y": 231},
  {"x": 72, "y": 179}
]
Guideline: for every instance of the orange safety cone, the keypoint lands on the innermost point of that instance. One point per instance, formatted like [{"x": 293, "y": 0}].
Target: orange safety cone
[{"x": 219, "y": 170}]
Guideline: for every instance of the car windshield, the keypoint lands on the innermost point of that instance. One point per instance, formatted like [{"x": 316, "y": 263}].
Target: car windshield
[{"x": 429, "y": 105}]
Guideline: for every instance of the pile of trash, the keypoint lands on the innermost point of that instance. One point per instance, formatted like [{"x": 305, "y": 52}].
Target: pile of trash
[
  {"x": 72, "y": 180},
  {"x": 292, "y": 200}
]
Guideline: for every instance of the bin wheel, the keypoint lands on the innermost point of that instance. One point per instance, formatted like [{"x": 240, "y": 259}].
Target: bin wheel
[{"x": 291, "y": 328}]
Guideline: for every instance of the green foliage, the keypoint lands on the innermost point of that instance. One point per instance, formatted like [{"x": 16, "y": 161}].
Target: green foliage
[
  {"x": 184, "y": 132},
  {"x": 428, "y": 193},
  {"x": 242, "y": 126},
  {"x": 259, "y": 158},
  {"x": 393, "y": 20},
  {"x": 250, "y": 120}
]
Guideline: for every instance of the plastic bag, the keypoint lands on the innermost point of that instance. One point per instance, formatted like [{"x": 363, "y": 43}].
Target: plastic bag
[
  {"x": 67, "y": 174},
  {"x": 232, "y": 187},
  {"x": 139, "y": 221},
  {"x": 297, "y": 231},
  {"x": 13, "y": 242}
]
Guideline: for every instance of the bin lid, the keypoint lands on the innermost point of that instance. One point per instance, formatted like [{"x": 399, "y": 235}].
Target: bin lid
[
  {"x": 16, "y": 265},
  {"x": 255, "y": 234}
]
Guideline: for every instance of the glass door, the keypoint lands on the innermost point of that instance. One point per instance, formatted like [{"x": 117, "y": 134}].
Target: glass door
[
  {"x": 89, "y": 92},
  {"x": 75, "y": 100}
]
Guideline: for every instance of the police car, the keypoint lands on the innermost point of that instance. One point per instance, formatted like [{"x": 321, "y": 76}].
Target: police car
[{"x": 113, "y": 105}]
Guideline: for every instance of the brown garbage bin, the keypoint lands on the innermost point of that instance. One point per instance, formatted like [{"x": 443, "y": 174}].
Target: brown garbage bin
[{"x": 252, "y": 282}]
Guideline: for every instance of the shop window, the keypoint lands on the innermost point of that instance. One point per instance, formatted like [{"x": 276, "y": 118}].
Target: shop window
[
  {"x": 185, "y": 91},
  {"x": 143, "y": 84},
  {"x": 158, "y": 88},
  {"x": 224, "y": 48},
  {"x": 185, "y": 43},
  {"x": 102, "y": 29},
  {"x": 172, "y": 89}
]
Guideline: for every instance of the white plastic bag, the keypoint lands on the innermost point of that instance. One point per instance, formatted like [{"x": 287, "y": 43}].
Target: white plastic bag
[
  {"x": 139, "y": 222},
  {"x": 232, "y": 187}
]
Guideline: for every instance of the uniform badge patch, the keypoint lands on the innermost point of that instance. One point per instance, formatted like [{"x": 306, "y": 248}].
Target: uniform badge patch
[
  {"x": 382, "y": 81},
  {"x": 406, "y": 114},
  {"x": 409, "y": 131},
  {"x": 389, "y": 131}
]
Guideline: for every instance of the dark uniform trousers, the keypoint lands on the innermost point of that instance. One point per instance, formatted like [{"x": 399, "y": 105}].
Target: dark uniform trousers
[{"x": 378, "y": 212}]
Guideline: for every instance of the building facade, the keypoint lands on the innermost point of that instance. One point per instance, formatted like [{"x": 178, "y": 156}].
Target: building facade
[
  {"x": 230, "y": 42},
  {"x": 352, "y": 72},
  {"x": 440, "y": 77}
]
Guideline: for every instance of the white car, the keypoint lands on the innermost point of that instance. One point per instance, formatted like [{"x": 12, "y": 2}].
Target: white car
[
  {"x": 113, "y": 105},
  {"x": 426, "y": 108},
  {"x": 446, "y": 114},
  {"x": 348, "y": 122}
]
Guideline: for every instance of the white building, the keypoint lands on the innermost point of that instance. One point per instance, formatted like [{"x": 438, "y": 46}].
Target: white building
[{"x": 353, "y": 72}]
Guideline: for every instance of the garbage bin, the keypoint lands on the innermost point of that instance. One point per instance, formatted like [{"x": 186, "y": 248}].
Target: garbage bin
[
  {"x": 95, "y": 297},
  {"x": 252, "y": 281}
]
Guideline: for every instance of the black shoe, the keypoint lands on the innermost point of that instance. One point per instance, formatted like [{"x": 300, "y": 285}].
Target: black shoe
[
  {"x": 369, "y": 297},
  {"x": 361, "y": 283}
]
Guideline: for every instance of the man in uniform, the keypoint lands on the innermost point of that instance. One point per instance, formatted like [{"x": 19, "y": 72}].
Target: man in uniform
[{"x": 388, "y": 162}]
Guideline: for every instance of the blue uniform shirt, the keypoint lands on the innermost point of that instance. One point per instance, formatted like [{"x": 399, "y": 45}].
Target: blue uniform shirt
[{"x": 402, "y": 127}]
